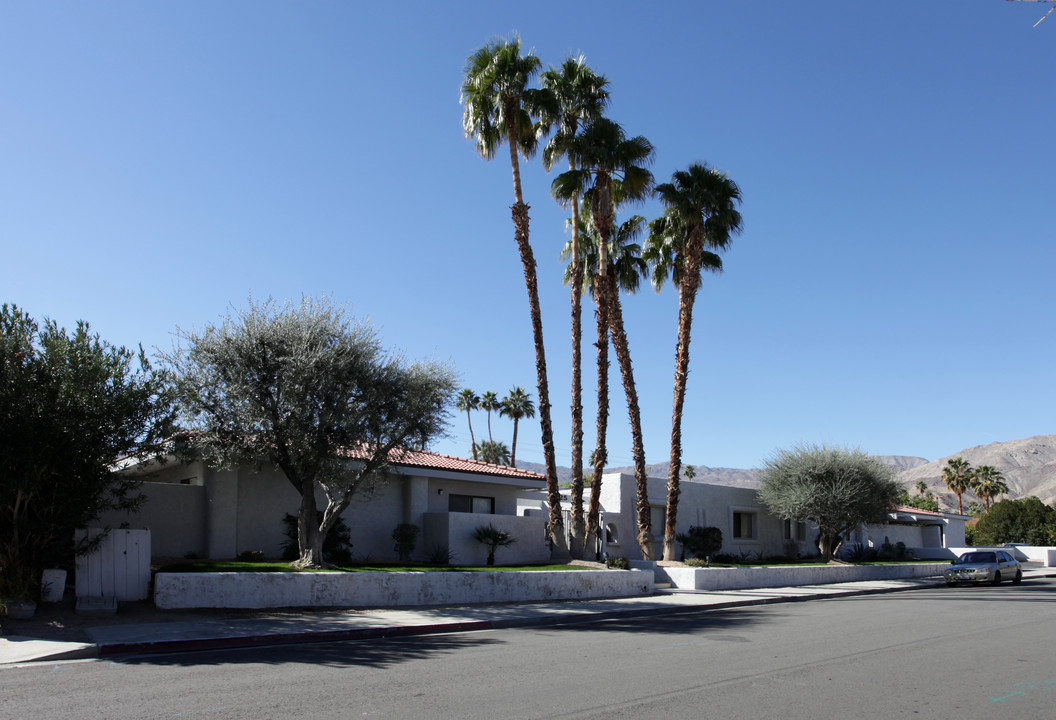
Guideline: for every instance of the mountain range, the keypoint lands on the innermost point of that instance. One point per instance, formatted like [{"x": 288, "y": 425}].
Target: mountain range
[{"x": 1029, "y": 467}]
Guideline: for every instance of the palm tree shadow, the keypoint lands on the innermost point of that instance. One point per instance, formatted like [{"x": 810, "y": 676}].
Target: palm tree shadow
[
  {"x": 680, "y": 622},
  {"x": 377, "y": 653}
]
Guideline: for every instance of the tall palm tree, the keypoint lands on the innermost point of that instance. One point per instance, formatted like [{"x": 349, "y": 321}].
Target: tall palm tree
[
  {"x": 959, "y": 478},
  {"x": 500, "y": 107},
  {"x": 701, "y": 215},
  {"x": 489, "y": 401},
  {"x": 517, "y": 404},
  {"x": 628, "y": 268},
  {"x": 580, "y": 96},
  {"x": 468, "y": 401},
  {"x": 989, "y": 483},
  {"x": 611, "y": 171},
  {"x": 922, "y": 487}
]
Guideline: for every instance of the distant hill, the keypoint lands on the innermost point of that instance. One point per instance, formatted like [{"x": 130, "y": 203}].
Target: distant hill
[
  {"x": 1029, "y": 467},
  {"x": 731, "y": 477}
]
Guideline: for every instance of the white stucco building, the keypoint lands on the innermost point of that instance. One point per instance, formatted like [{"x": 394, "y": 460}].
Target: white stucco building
[
  {"x": 194, "y": 510},
  {"x": 748, "y": 528}
]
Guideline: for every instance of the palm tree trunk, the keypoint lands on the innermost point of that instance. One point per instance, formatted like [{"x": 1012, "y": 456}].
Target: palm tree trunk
[
  {"x": 577, "y": 530},
  {"x": 472, "y": 440},
  {"x": 687, "y": 295},
  {"x": 600, "y": 449},
  {"x": 513, "y": 451},
  {"x": 556, "y": 525},
  {"x": 614, "y": 315}
]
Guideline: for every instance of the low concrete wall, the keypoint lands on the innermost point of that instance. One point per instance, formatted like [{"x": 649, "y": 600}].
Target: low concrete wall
[
  {"x": 787, "y": 576},
  {"x": 266, "y": 590}
]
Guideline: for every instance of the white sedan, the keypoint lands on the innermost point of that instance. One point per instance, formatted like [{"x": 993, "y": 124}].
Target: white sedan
[{"x": 990, "y": 566}]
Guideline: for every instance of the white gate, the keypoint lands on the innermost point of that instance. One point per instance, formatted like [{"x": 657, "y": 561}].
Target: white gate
[{"x": 119, "y": 568}]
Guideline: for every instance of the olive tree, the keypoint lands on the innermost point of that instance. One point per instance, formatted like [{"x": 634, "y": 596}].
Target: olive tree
[
  {"x": 834, "y": 488},
  {"x": 71, "y": 405},
  {"x": 312, "y": 391}
]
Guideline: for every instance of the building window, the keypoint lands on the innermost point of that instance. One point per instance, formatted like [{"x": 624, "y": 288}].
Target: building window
[
  {"x": 744, "y": 525},
  {"x": 658, "y": 518},
  {"x": 471, "y": 504}
]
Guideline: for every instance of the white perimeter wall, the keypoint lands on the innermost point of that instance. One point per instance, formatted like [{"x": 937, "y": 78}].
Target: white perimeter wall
[
  {"x": 761, "y": 577},
  {"x": 265, "y": 590}
]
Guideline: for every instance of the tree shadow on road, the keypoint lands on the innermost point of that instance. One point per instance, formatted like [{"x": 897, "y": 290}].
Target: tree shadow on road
[
  {"x": 697, "y": 620},
  {"x": 364, "y": 652}
]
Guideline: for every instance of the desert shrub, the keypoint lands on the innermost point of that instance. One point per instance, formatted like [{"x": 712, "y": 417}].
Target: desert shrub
[
  {"x": 251, "y": 556},
  {"x": 493, "y": 538},
  {"x": 697, "y": 562},
  {"x": 337, "y": 545},
  {"x": 618, "y": 563},
  {"x": 440, "y": 555},
  {"x": 700, "y": 542},
  {"x": 858, "y": 552},
  {"x": 406, "y": 537}
]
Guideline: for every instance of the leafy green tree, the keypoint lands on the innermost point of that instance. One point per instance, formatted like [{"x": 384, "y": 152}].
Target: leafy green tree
[
  {"x": 494, "y": 452},
  {"x": 71, "y": 404},
  {"x": 836, "y": 489},
  {"x": 312, "y": 391},
  {"x": 959, "y": 478},
  {"x": 628, "y": 268},
  {"x": 466, "y": 402},
  {"x": 1026, "y": 520},
  {"x": 489, "y": 402},
  {"x": 516, "y": 405},
  {"x": 989, "y": 484},
  {"x": 500, "y": 107},
  {"x": 611, "y": 171},
  {"x": 494, "y": 538},
  {"x": 580, "y": 95},
  {"x": 701, "y": 216}
]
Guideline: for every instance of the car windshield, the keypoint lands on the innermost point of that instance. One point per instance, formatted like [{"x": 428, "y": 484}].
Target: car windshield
[{"x": 977, "y": 557}]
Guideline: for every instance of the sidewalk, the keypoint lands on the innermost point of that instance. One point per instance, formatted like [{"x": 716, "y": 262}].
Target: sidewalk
[{"x": 287, "y": 628}]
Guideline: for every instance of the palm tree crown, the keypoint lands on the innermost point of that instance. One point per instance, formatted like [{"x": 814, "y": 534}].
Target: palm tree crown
[
  {"x": 610, "y": 170},
  {"x": 499, "y": 105},
  {"x": 517, "y": 404},
  {"x": 989, "y": 483},
  {"x": 579, "y": 95},
  {"x": 959, "y": 478}
]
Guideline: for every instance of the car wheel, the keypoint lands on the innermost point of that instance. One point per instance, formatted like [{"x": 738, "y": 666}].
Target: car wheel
[
  {"x": 997, "y": 579},
  {"x": 950, "y": 583},
  {"x": 1018, "y": 578}
]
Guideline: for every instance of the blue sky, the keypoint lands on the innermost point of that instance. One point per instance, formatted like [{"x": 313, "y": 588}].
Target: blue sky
[{"x": 892, "y": 288}]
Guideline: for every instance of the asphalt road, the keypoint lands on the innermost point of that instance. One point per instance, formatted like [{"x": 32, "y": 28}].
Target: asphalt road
[{"x": 964, "y": 653}]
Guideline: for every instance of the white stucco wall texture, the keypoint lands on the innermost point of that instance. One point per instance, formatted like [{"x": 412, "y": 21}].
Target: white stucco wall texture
[
  {"x": 761, "y": 577},
  {"x": 271, "y": 590}
]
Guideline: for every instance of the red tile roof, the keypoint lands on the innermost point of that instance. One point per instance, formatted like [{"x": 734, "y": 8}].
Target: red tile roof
[{"x": 436, "y": 461}]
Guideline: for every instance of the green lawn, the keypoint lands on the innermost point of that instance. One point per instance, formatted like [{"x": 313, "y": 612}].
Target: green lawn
[{"x": 200, "y": 566}]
